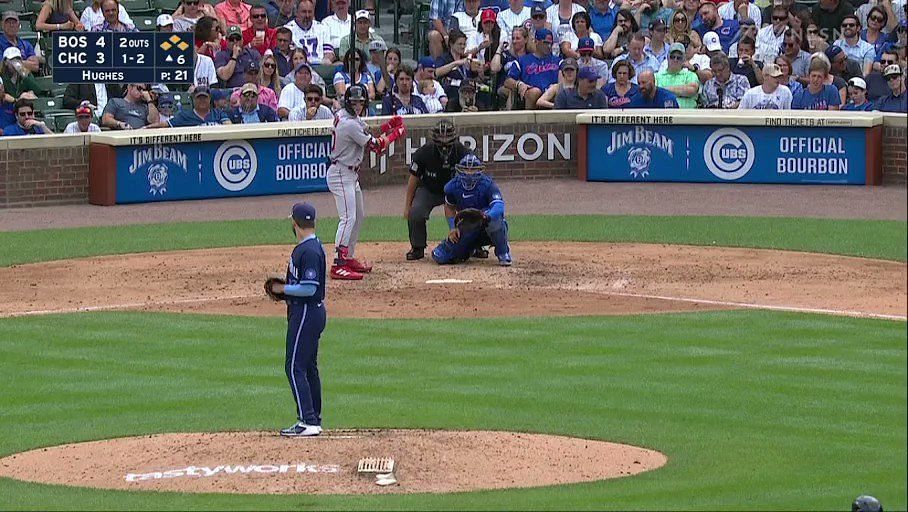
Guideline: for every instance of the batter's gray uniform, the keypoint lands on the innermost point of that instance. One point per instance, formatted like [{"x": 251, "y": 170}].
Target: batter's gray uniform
[{"x": 348, "y": 144}]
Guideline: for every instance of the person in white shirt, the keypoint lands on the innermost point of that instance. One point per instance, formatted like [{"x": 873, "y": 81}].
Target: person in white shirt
[
  {"x": 580, "y": 28},
  {"x": 92, "y": 15},
  {"x": 313, "y": 108},
  {"x": 311, "y": 35},
  {"x": 468, "y": 19},
  {"x": 771, "y": 37},
  {"x": 770, "y": 95},
  {"x": 561, "y": 14},
  {"x": 338, "y": 24},
  {"x": 192, "y": 13},
  {"x": 516, "y": 16},
  {"x": 205, "y": 72},
  {"x": 83, "y": 123},
  {"x": 737, "y": 11},
  {"x": 436, "y": 95},
  {"x": 294, "y": 94}
]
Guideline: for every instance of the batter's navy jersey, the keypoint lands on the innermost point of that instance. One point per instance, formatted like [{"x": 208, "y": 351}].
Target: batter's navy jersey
[
  {"x": 307, "y": 266},
  {"x": 482, "y": 197}
]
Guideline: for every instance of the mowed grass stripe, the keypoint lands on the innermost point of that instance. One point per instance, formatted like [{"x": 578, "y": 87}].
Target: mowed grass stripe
[
  {"x": 865, "y": 238},
  {"x": 753, "y": 413}
]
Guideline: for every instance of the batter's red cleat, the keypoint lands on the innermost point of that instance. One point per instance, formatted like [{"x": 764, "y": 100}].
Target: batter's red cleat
[
  {"x": 358, "y": 266},
  {"x": 344, "y": 273}
]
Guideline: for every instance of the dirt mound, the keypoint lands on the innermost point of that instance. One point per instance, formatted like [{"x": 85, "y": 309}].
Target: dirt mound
[
  {"x": 549, "y": 279},
  {"x": 263, "y": 462}
]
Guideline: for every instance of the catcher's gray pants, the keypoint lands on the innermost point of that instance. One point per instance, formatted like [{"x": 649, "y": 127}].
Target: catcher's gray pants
[{"x": 423, "y": 203}]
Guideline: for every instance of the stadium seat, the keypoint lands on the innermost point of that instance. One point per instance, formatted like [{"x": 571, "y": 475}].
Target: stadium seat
[
  {"x": 79, "y": 6},
  {"x": 167, "y": 6},
  {"x": 45, "y": 86},
  {"x": 145, "y": 23},
  {"x": 48, "y": 106},
  {"x": 138, "y": 7},
  {"x": 62, "y": 119},
  {"x": 419, "y": 28},
  {"x": 28, "y": 35}
]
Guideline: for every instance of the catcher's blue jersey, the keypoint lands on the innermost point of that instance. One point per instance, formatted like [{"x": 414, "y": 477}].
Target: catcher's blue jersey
[{"x": 483, "y": 196}]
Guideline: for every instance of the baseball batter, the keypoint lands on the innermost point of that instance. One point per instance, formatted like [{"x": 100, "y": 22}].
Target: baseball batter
[
  {"x": 432, "y": 168},
  {"x": 304, "y": 293},
  {"x": 348, "y": 143},
  {"x": 471, "y": 189}
]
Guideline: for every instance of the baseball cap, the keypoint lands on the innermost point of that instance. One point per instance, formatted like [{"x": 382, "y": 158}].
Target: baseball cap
[
  {"x": 12, "y": 53},
  {"x": 302, "y": 211},
  {"x": 892, "y": 69},
  {"x": 427, "y": 63},
  {"x": 363, "y": 14},
  {"x": 10, "y": 14},
  {"x": 166, "y": 100},
  {"x": 488, "y": 15},
  {"x": 83, "y": 111},
  {"x": 254, "y": 67},
  {"x": 201, "y": 90},
  {"x": 545, "y": 35},
  {"x": 858, "y": 82},
  {"x": 588, "y": 74},
  {"x": 569, "y": 62},
  {"x": 536, "y": 10},
  {"x": 711, "y": 41},
  {"x": 234, "y": 30},
  {"x": 833, "y": 51},
  {"x": 249, "y": 88},
  {"x": 586, "y": 44},
  {"x": 657, "y": 24},
  {"x": 676, "y": 47},
  {"x": 165, "y": 20},
  {"x": 378, "y": 46},
  {"x": 302, "y": 65},
  {"x": 159, "y": 88},
  {"x": 772, "y": 69}
]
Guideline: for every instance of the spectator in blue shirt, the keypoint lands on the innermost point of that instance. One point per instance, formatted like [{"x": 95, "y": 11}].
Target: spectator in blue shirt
[
  {"x": 712, "y": 22},
  {"x": 896, "y": 100},
  {"x": 602, "y": 15},
  {"x": 818, "y": 95},
  {"x": 857, "y": 88},
  {"x": 533, "y": 73},
  {"x": 440, "y": 13},
  {"x": 250, "y": 111},
  {"x": 26, "y": 124},
  {"x": 11, "y": 39},
  {"x": 201, "y": 113},
  {"x": 651, "y": 96},
  {"x": 7, "y": 112},
  {"x": 403, "y": 101}
]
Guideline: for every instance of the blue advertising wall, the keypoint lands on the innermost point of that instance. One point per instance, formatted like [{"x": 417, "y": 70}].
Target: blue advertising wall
[
  {"x": 744, "y": 154},
  {"x": 233, "y": 168}
]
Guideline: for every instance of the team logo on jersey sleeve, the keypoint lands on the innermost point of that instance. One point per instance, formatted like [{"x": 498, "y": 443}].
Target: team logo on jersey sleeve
[{"x": 311, "y": 274}]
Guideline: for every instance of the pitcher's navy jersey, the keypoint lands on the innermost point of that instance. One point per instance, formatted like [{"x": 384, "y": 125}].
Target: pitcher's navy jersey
[{"x": 307, "y": 266}]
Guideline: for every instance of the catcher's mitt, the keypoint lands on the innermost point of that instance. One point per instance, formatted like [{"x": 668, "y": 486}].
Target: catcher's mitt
[
  {"x": 469, "y": 220},
  {"x": 270, "y": 292}
]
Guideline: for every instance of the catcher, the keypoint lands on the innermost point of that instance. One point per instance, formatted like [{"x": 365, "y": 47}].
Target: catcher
[
  {"x": 304, "y": 291},
  {"x": 475, "y": 212}
]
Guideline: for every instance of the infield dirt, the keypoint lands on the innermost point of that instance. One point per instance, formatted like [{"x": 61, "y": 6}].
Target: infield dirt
[{"x": 548, "y": 279}]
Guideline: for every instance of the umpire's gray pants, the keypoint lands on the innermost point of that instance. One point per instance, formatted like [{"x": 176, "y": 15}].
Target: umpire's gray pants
[{"x": 423, "y": 203}]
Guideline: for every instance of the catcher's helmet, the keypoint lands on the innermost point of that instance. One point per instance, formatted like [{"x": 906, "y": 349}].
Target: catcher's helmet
[
  {"x": 354, "y": 93},
  {"x": 469, "y": 171},
  {"x": 866, "y": 504}
]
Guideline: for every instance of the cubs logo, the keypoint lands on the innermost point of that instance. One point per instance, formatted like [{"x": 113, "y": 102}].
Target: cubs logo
[{"x": 235, "y": 165}]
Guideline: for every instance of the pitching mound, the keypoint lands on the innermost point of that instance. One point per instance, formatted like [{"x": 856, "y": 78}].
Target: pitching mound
[
  {"x": 548, "y": 279},
  {"x": 262, "y": 462}
]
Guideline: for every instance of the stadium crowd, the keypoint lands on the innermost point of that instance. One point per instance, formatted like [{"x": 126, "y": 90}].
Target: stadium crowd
[{"x": 269, "y": 62}]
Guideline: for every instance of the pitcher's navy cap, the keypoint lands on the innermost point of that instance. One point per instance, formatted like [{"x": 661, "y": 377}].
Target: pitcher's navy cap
[{"x": 303, "y": 211}]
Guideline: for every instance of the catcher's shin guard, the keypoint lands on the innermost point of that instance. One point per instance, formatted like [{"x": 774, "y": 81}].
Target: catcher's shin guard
[{"x": 498, "y": 234}]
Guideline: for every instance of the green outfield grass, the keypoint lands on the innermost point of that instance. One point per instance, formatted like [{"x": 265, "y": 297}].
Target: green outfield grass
[
  {"x": 871, "y": 239},
  {"x": 755, "y": 410}
]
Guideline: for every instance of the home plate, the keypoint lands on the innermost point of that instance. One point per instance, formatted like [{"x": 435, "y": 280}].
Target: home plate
[{"x": 449, "y": 281}]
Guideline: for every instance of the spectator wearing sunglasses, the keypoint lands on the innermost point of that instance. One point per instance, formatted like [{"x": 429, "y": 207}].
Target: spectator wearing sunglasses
[
  {"x": 134, "y": 110},
  {"x": 26, "y": 124},
  {"x": 233, "y": 62},
  {"x": 856, "y": 48},
  {"x": 265, "y": 96},
  {"x": 876, "y": 83},
  {"x": 771, "y": 37},
  {"x": 259, "y": 35},
  {"x": 897, "y": 99},
  {"x": 313, "y": 108},
  {"x": 250, "y": 109},
  {"x": 683, "y": 83},
  {"x": 235, "y": 12},
  {"x": 186, "y": 21},
  {"x": 878, "y": 28},
  {"x": 201, "y": 113}
]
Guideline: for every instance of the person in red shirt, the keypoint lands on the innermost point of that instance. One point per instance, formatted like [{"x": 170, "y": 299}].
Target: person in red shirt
[
  {"x": 259, "y": 35},
  {"x": 234, "y": 12}
]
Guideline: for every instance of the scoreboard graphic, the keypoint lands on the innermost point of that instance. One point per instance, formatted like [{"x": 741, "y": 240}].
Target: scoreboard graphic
[{"x": 123, "y": 57}]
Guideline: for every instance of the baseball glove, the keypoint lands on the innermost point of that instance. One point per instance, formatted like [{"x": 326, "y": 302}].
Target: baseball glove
[
  {"x": 469, "y": 220},
  {"x": 270, "y": 291}
]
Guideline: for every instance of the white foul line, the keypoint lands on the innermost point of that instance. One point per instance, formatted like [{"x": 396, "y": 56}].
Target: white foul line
[
  {"x": 745, "y": 305},
  {"x": 748, "y": 305}
]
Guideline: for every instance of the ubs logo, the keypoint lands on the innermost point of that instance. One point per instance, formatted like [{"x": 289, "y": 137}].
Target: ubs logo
[
  {"x": 235, "y": 165},
  {"x": 729, "y": 154}
]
